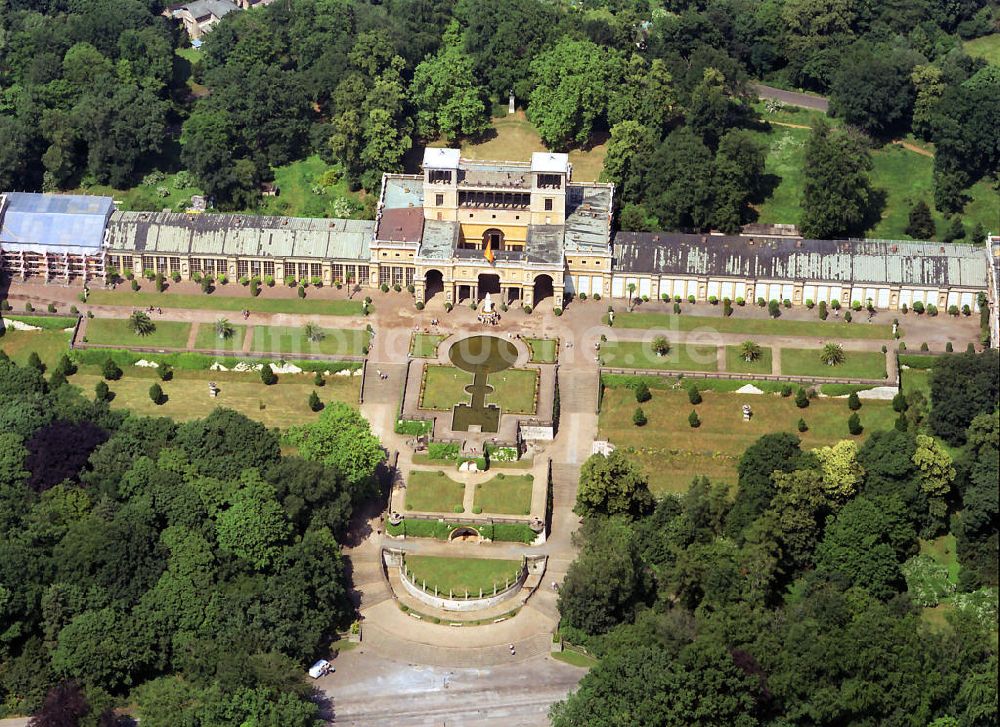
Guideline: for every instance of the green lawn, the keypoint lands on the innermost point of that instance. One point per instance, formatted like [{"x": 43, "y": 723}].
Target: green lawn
[
  {"x": 444, "y": 386},
  {"x": 917, "y": 380},
  {"x": 292, "y": 340},
  {"x": 543, "y": 350},
  {"x": 280, "y": 405},
  {"x": 905, "y": 176},
  {"x": 987, "y": 48},
  {"x": 640, "y": 355},
  {"x": 736, "y": 363},
  {"x": 116, "y": 332},
  {"x": 754, "y": 326},
  {"x": 514, "y": 390},
  {"x": 261, "y": 304},
  {"x": 672, "y": 453},
  {"x": 425, "y": 345},
  {"x": 207, "y": 339},
  {"x": 433, "y": 492},
  {"x": 458, "y": 575},
  {"x": 575, "y": 658},
  {"x": 297, "y": 182},
  {"x": 49, "y": 345},
  {"x": 944, "y": 552},
  {"x": 505, "y": 495},
  {"x": 857, "y": 364}
]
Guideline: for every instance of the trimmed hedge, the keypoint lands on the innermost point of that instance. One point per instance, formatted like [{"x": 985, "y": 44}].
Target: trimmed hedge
[{"x": 413, "y": 427}]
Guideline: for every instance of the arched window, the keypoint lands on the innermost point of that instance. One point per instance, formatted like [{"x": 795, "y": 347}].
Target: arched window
[{"x": 494, "y": 238}]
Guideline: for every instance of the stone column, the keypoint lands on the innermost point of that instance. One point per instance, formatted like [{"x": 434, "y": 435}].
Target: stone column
[{"x": 419, "y": 290}]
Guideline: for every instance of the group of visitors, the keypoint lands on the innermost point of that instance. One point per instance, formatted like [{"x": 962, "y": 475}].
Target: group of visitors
[{"x": 489, "y": 319}]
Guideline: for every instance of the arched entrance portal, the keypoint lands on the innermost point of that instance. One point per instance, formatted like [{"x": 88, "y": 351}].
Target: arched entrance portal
[
  {"x": 434, "y": 283},
  {"x": 543, "y": 288},
  {"x": 489, "y": 283}
]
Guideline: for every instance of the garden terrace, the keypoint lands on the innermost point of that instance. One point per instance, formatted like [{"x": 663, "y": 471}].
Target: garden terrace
[
  {"x": 640, "y": 355},
  {"x": 504, "y": 495},
  {"x": 433, "y": 491},
  {"x": 221, "y": 302},
  {"x": 753, "y": 326},
  {"x": 671, "y": 452}
]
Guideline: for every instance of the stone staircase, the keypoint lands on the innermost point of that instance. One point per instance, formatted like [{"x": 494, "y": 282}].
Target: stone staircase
[
  {"x": 578, "y": 391},
  {"x": 565, "y": 478},
  {"x": 366, "y": 573},
  {"x": 384, "y": 643}
]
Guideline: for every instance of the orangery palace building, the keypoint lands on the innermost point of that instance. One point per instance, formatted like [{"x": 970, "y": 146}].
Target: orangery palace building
[{"x": 522, "y": 231}]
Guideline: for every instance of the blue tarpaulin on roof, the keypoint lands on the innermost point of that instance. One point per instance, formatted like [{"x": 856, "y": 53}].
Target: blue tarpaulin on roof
[{"x": 71, "y": 223}]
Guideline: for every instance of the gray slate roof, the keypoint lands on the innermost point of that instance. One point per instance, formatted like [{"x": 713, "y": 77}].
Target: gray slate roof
[
  {"x": 172, "y": 233},
  {"x": 862, "y": 261},
  {"x": 203, "y": 8},
  {"x": 588, "y": 217},
  {"x": 56, "y": 223}
]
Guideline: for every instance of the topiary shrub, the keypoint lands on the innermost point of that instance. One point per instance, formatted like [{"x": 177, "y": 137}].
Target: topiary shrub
[
  {"x": 51, "y": 308},
  {"x": 693, "y": 421},
  {"x": 527, "y": 309},
  {"x": 639, "y": 417},
  {"x": 692, "y": 300},
  {"x": 694, "y": 396},
  {"x": 786, "y": 390},
  {"x": 932, "y": 310},
  {"x": 557, "y": 311},
  {"x": 102, "y": 392},
  {"x": 802, "y": 427},
  {"x": 809, "y": 305},
  {"x": 267, "y": 375},
  {"x": 899, "y": 404},
  {"x": 822, "y": 310},
  {"x": 902, "y": 346},
  {"x": 773, "y": 309},
  {"x": 924, "y": 347},
  {"x": 948, "y": 347},
  {"x": 314, "y": 403},
  {"x": 110, "y": 370},
  {"x": 677, "y": 308},
  {"x": 854, "y": 425},
  {"x": 419, "y": 305},
  {"x": 165, "y": 371},
  {"x": 156, "y": 394},
  {"x": 853, "y": 401},
  {"x": 713, "y": 300},
  {"x": 918, "y": 307},
  {"x": 384, "y": 287},
  {"x": 642, "y": 393},
  {"x": 448, "y": 306},
  {"x": 801, "y": 398},
  {"x": 787, "y": 303},
  {"x": 135, "y": 285},
  {"x": 848, "y": 317}
]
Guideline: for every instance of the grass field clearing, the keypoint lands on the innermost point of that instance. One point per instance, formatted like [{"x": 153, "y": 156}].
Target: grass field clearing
[
  {"x": 640, "y": 355},
  {"x": 428, "y": 491},
  {"x": 672, "y": 453},
  {"x": 514, "y": 390},
  {"x": 281, "y": 405},
  {"x": 208, "y": 339},
  {"x": 857, "y": 364},
  {"x": 986, "y": 47},
  {"x": 49, "y": 345},
  {"x": 754, "y": 326},
  {"x": 425, "y": 345},
  {"x": 444, "y": 386},
  {"x": 543, "y": 350},
  {"x": 736, "y": 363},
  {"x": 292, "y": 340},
  {"x": 261, "y": 304},
  {"x": 505, "y": 495},
  {"x": 458, "y": 575},
  {"x": 117, "y": 332}
]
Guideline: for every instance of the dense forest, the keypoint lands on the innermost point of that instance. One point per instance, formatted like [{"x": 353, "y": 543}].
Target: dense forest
[
  {"x": 93, "y": 91},
  {"x": 188, "y": 569},
  {"x": 799, "y": 601}
]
